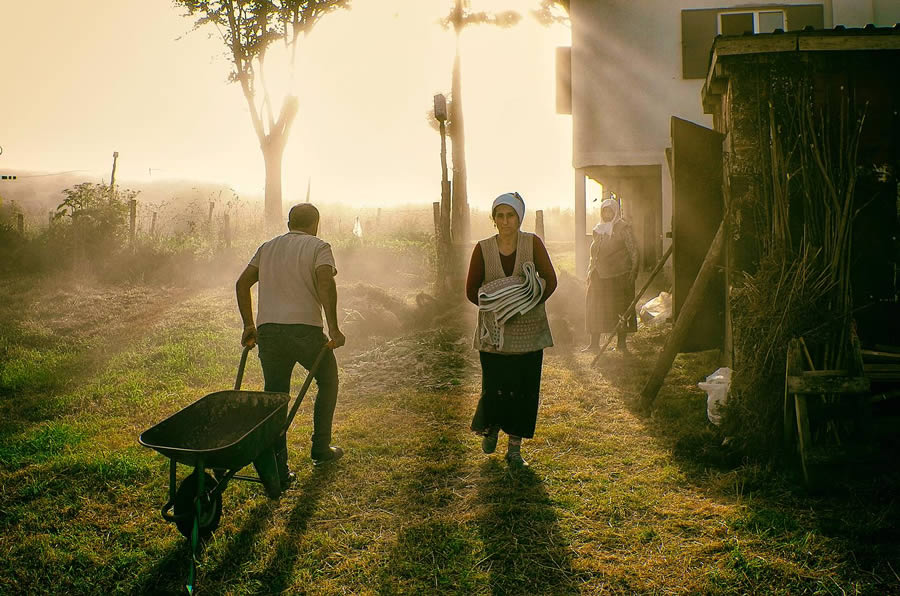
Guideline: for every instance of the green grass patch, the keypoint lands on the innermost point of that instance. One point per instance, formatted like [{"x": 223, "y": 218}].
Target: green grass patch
[
  {"x": 38, "y": 444},
  {"x": 612, "y": 503}
]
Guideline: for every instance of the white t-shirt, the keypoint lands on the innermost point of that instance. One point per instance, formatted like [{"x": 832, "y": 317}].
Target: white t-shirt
[{"x": 287, "y": 278}]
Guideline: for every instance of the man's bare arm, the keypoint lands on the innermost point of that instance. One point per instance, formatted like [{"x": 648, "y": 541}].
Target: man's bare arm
[
  {"x": 249, "y": 277},
  {"x": 327, "y": 292}
]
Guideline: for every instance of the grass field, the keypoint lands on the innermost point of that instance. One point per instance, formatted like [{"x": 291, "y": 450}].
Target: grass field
[{"x": 612, "y": 503}]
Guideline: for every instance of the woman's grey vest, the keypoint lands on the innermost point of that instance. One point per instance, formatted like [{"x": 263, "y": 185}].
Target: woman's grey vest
[{"x": 523, "y": 333}]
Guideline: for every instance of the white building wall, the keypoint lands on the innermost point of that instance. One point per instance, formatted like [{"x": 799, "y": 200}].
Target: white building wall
[{"x": 627, "y": 76}]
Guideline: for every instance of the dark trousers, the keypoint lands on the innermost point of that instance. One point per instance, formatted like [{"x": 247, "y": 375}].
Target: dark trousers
[{"x": 280, "y": 348}]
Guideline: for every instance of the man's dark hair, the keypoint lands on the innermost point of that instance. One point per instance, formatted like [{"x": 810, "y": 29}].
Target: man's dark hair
[{"x": 302, "y": 216}]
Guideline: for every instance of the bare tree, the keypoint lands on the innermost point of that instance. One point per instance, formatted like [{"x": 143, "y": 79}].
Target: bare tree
[
  {"x": 552, "y": 11},
  {"x": 248, "y": 29},
  {"x": 459, "y": 18}
]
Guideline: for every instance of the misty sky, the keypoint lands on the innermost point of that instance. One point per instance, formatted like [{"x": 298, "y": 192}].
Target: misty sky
[{"x": 86, "y": 77}]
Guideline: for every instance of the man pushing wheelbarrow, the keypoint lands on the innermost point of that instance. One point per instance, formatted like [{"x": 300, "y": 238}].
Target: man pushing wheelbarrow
[{"x": 296, "y": 273}]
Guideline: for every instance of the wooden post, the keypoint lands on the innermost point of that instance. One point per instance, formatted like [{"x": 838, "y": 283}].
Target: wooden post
[
  {"x": 132, "y": 215},
  {"x": 20, "y": 224},
  {"x": 581, "y": 246},
  {"x": 792, "y": 368},
  {"x": 226, "y": 221},
  {"x": 436, "y": 211},
  {"x": 153, "y": 225},
  {"x": 440, "y": 268},
  {"x": 685, "y": 317},
  {"x": 112, "y": 176},
  {"x": 539, "y": 223}
]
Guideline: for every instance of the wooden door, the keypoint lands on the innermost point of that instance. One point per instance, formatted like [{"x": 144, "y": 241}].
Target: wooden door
[{"x": 696, "y": 214}]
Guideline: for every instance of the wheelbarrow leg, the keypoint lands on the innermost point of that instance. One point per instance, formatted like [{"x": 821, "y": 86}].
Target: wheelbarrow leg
[
  {"x": 195, "y": 533},
  {"x": 267, "y": 469}
]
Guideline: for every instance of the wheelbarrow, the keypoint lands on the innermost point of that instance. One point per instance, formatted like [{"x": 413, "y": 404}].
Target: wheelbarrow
[{"x": 223, "y": 432}]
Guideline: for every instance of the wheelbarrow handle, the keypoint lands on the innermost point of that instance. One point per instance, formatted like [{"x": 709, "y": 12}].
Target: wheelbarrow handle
[
  {"x": 306, "y": 383},
  {"x": 240, "y": 372}
]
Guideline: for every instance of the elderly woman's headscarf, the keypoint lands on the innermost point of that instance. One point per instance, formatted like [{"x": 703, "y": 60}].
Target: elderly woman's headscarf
[
  {"x": 605, "y": 228},
  {"x": 514, "y": 200}
]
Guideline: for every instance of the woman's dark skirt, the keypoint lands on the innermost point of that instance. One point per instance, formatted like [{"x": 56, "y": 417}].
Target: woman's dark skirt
[
  {"x": 608, "y": 298},
  {"x": 510, "y": 390}
]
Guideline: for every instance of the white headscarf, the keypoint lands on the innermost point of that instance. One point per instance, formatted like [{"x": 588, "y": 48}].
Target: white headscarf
[
  {"x": 514, "y": 200},
  {"x": 605, "y": 228}
]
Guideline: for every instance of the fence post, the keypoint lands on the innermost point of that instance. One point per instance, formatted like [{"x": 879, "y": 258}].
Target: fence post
[
  {"x": 132, "y": 215},
  {"x": 112, "y": 175},
  {"x": 153, "y": 225},
  {"x": 539, "y": 223},
  {"x": 440, "y": 270},
  {"x": 20, "y": 224},
  {"x": 50, "y": 218},
  {"x": 227, "y": 223}
]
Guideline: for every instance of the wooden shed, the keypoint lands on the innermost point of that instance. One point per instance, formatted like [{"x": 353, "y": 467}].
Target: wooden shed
[{"x": 804, "y": 157}]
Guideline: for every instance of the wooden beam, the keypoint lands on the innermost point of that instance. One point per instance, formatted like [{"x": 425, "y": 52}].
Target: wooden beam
[
  {"x": 685, "y": 317},
  {"x": 818, "y": 384},
  {"x": 756, "y": 44},
  {"x": 849, "y": 42}
]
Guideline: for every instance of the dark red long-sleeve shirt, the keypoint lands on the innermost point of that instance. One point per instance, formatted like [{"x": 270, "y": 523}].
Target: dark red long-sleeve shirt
[{"x": 542, "y": 264}]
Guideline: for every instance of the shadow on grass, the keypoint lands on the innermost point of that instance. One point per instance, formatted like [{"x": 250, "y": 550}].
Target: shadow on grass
[
  {"x": 434, "y": 552},
  {"x": 856, "y": 511},
  {"x": 679, "y": 410},
  {"x": 169, "y": 574},
  {"x": 526, "y": 552},
  {"x": 276, "y": 577}
]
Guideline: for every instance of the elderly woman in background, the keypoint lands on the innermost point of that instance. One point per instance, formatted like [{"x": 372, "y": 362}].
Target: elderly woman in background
[
  {"x": 611, "y": 275},
  {"x": 510, "y": 277}
]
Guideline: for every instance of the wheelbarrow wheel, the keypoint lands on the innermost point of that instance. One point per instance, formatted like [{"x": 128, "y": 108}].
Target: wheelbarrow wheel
[{"x": 210, "y": 509}]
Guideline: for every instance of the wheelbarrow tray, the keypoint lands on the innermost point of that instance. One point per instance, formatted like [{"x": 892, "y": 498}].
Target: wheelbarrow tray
[{"x": 225, "y": 429}]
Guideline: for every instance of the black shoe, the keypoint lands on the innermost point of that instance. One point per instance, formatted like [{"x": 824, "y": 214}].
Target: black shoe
[
  {"x": 287, "y": 480},
  {"x": 332, "y": 454},
  {"x": 489, "y": 442},
  {"x": 514, "y": 460}
]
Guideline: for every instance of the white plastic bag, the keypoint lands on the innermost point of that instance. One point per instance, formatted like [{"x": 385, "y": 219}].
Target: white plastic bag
[
  {"x": 716, "y": 387},
  {"x": 657, "y": 311}
]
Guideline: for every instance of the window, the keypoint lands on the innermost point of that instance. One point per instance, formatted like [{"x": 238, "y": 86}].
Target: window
[
  {"x": 753, "y": 21},
  {"x": 699, "y": 28}
]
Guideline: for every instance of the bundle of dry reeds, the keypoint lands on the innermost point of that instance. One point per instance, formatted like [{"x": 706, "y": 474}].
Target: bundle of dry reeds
[{"x": 801, "y": 286}]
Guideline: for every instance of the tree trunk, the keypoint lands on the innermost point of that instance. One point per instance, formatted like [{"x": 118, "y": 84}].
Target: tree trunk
[
  {"x": 273, "y": 152},
  {"x": 459, "y": 202}
]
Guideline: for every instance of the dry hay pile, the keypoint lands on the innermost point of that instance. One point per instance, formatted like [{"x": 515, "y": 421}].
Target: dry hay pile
[
  {"x": 370, "y": 311},
  {"x": 434, "y": 360}
]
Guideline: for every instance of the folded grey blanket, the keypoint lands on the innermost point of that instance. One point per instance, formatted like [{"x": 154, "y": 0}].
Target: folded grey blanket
[{"x": 504, "y": 298}]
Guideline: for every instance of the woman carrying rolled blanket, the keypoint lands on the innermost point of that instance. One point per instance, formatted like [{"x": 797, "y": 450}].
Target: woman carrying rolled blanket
[{"x": 510, "y": 277}]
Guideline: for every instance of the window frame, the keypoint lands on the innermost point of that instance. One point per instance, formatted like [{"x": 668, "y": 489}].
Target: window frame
[{"x": 755, "y": 12}]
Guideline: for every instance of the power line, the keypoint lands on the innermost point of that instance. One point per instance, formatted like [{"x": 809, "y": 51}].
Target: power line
[{"x": 53, "y": 174}]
